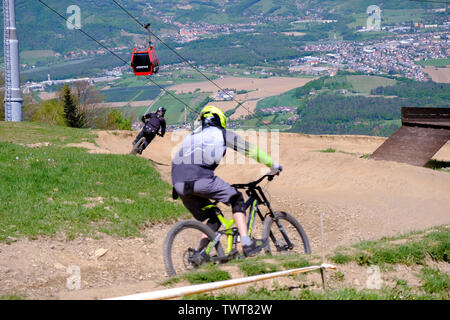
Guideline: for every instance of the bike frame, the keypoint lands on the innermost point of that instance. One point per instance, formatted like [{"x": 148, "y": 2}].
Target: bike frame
[{"x": 256, "y": 197}]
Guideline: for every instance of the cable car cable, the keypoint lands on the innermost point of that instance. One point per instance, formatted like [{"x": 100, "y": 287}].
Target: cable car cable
[
  {"x": 117, "y": 56},
  {"x": 185, "y": 60}
]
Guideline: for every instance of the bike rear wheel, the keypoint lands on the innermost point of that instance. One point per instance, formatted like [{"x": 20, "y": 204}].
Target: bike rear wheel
[
  {"x": 181, "y": 245},
  {"x": 285, "y": 235}
]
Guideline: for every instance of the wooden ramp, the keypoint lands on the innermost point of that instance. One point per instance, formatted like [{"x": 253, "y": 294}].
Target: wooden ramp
[{"x": 424, "y": 131}]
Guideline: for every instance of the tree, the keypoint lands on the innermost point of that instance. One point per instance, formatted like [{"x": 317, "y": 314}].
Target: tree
[
  {"x": 74, "y": 118},
  {"x": 88, "y": 99},
  {"x": 117, "y": 121},
  {"x": 50, "y": 112}
]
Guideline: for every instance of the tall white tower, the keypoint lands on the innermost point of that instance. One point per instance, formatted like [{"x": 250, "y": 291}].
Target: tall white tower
[{"x": 13, "y": 96}]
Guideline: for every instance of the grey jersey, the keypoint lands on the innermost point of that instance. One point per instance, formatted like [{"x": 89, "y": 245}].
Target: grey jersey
[{"x": 202, "y": 151}]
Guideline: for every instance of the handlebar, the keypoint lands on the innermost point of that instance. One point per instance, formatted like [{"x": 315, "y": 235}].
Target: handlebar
[{"x": 253, "y": 184}]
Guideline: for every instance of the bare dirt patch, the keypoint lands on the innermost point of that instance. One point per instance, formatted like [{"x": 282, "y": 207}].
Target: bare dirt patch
[
  {"x": 40, "y": 268},
  {"x": 438, "y": 74},
  {"x": 132, "y": 104},
  {"x": 48, "y": 95},
  {"x": 294, "y": 33}
]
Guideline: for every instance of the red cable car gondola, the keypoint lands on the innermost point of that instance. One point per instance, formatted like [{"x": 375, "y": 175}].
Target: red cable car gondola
[{"x": 145, "y": 62}]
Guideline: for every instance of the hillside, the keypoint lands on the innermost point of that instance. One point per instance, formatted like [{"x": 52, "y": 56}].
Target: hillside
[
  {"x": 350, "y": 103},
  {"x": 241, "y": 28}
]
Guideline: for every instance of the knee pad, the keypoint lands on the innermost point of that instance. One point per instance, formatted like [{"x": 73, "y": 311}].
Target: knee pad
[{"x": 237, "y": 203}]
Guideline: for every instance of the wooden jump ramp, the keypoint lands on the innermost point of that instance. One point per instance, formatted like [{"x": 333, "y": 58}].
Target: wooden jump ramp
[{"x": 423, "y": 132}]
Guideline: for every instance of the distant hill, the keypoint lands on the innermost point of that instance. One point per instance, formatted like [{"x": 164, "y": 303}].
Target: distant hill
[
  {"x": 39, "y": 28},
  {"x": 351, "y": 104},
  {"x": 262, "y": 30}
]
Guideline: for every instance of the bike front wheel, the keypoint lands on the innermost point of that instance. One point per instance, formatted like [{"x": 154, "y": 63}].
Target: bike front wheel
[
  {"x": 137, "y": 146},
  {"x": 285, "y": 235},
  {"x": 181, "y": 247}
]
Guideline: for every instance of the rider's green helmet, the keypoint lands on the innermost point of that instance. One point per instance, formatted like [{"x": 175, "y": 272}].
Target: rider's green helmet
[{"x": 212, "y": 111}]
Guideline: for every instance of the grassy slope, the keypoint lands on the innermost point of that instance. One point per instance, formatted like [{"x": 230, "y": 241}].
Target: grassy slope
[
  {"x": 55, "y": 188},
  {"x": 364, "y": 84},
  {"x": 421, "y": 250},
  {"x": 434, "y": 62}
]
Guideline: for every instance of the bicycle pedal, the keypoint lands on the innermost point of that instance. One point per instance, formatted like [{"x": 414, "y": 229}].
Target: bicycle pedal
[{"x": 234, "y": 254}]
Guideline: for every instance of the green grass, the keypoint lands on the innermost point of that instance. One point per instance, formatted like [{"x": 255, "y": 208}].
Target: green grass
[
  {"x": 34, "y": 56},
  {"x": 399, "y": 292},
  {"x": 434, "y": 62},
  {"x": 438, "y": 165},
  {"x": 12, "y": 297},
  {"x": 337, "y": 276},
  {"x": 284, "y": 99},
  {"x": 253, "y": 267},
  {"x": 28, "y": 54},
  {"x": 364, "y": 84},
  {"x": 414, "y": 251},
  {"x": 435, "y": 282},
  {"x": 33, "y": 132},
  {"x": 295, "y": 263},
  {"x": 250, "y": 294},
  {"x": 257, "y": 122},
  {"x": 60, "y": 189},
  {"x": 204, "y": 274},
  {"x": 329, "y": 150},
  {"x": 341, "y": 258},
  {"x": 210, "y": 274}
]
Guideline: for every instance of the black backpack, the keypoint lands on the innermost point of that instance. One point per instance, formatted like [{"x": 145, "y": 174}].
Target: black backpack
[{"x": 152, "y": 125}]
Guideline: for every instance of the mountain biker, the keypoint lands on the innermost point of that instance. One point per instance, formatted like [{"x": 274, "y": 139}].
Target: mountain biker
[
  {"x": 154, "y": 124},
  {"x": 194, "y": 181}
]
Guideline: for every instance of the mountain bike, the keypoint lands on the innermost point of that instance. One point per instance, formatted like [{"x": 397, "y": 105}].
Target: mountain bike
[{"x": 283, "y": 232}]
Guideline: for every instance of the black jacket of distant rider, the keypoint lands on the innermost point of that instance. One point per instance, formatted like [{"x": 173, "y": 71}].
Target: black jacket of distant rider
[{"x": 154, "y": 123}]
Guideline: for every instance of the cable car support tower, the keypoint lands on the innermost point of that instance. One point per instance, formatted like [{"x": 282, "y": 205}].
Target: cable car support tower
[{"x": 13, "y": 97}]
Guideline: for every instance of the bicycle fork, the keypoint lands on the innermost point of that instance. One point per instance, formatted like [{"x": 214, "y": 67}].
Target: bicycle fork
[{"x": 290, "y": 245}]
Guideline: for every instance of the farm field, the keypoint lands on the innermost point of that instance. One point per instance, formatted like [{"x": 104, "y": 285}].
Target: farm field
[
  {"x": 258, "y": 90},
  {"x": 441, "y": 75}
]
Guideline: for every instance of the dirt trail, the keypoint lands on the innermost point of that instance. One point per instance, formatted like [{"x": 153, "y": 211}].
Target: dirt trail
[{"x": 360, "y": 199}]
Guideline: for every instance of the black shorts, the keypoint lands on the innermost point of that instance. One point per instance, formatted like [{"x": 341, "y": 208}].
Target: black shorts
[{"x": 197, "y": 197}]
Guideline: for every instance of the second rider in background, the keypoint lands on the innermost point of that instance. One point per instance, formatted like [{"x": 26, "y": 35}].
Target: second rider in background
[{"x": 154, "y": 124}]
